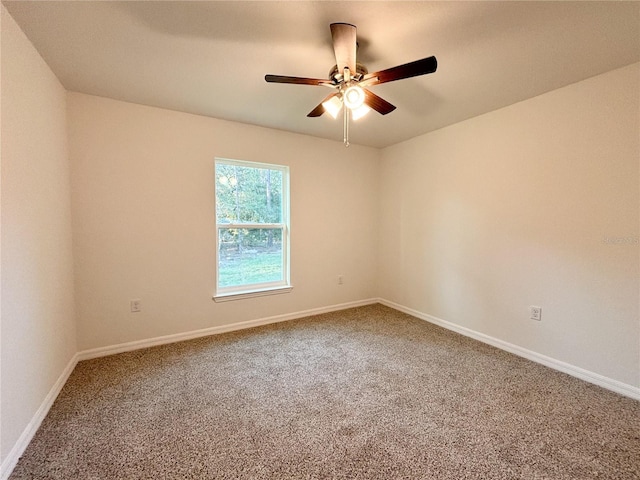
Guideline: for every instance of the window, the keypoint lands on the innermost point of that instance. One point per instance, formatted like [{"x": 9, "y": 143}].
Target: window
[{"x": 252, "y": 222}]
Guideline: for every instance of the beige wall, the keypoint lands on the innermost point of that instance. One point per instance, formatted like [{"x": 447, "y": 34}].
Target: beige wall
[
  {"x": 38, "y": 324},
  {"x": 533, "y": 204},
  {"x": 143, "y": 219}
]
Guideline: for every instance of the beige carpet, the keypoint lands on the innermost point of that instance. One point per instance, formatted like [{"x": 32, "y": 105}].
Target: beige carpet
[{"x": 366, "y": 393}]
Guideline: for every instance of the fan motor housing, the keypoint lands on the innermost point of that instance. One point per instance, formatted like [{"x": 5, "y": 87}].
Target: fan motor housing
[{"x": 336, "y": 76}]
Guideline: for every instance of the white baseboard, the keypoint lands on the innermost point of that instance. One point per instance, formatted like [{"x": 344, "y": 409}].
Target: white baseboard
[
  {"x": 178, "y": 337},
  {"x": 586, "y": 375},
  {"x": 20, "y": 446}
]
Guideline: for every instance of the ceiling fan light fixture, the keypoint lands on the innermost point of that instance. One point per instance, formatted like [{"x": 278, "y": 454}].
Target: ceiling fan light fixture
[
  {"x": 360, "y": 112},
  {"x": 354, "y": 97},
  {"x": 333, "y": 106}
]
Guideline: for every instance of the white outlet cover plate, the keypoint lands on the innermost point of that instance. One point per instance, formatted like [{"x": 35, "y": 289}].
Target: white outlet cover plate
[{"x": 535, "y": 313}]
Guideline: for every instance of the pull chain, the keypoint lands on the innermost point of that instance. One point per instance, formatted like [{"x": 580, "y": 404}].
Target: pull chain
[{"x": 346, "y": 126}]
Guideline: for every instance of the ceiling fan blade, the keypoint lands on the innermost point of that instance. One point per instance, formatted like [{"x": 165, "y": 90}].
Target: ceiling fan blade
[
  {"x": 316, "y": 112},
  {"x": 379, "y": 104},
  {"x": 344, "y": 45},
  {"x": 297, "y": 80},
  {"x": 408, "y": 70},
  {"x": 319, "y": 110}
]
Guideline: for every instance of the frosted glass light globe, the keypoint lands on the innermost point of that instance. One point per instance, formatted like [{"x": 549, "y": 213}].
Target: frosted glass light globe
[{"x": 354, "y": 97}]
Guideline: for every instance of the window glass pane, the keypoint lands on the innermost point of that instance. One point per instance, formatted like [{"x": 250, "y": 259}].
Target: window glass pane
[
  {"x": 246, "y": 194},
  {"x": 249, "y": 256}
]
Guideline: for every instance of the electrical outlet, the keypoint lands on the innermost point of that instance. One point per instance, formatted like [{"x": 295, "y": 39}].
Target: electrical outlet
[
  {"x": 535, "y": 313},
  {"x": 136, "y": 306},
  {"x": 340, "y": 279}
]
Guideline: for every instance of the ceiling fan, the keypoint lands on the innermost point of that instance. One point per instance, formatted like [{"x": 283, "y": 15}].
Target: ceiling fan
[{"x": 349, "y": 80}]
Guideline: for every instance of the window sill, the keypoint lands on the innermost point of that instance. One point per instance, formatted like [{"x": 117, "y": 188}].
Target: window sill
[{"x": 227, "y": 297}]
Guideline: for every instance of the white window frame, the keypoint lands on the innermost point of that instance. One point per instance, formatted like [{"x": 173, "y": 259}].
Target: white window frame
[{"x": 223, "y": 294}]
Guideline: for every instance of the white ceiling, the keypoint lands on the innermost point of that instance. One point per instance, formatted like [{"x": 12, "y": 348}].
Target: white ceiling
[{"x": 210, "y": 57}]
